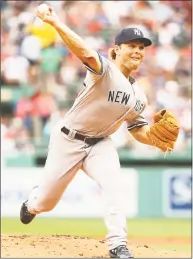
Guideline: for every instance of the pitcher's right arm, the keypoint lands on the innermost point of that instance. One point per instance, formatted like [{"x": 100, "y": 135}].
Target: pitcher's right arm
[{"x": 73, "y": 41}]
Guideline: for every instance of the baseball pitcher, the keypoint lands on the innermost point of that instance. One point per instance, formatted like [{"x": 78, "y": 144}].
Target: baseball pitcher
[{"x": 81, "y": 139}]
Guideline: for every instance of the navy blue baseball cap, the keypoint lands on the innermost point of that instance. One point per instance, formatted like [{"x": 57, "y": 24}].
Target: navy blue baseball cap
[{"x": 132, "y": 34}]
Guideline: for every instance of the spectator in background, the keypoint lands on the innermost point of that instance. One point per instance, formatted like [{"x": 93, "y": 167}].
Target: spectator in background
[
  {"x": 51, "y": 59},
  {"x": 43, "y": 105},
  {"x": 14, "y": 136},
  {"x": 33, "y": 55},
  {"x": 43, "y": 31},
  {"x": 16, "y": 21},
  {"x": 15, "y": 68},
  {"x": 69, "y": 76},
  {"x": 23, "y": 110},
  {"x": 53, "y": 119}
]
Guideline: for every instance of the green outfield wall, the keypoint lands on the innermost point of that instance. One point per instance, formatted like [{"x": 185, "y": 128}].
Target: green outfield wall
[{"x": 164, "y": 192}]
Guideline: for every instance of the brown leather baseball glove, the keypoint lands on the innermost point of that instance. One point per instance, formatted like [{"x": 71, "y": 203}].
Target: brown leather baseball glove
[{"x": 164, "y": 132}]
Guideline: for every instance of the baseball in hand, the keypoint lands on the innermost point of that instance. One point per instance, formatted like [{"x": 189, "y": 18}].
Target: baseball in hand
[{"x": 42, "y": 10}]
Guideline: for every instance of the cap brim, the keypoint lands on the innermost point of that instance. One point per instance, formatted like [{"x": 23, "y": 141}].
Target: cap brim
[{"x": 147, "y": 42}]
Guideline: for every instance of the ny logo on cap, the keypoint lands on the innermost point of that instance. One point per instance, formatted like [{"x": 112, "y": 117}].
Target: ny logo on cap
[{"x": 137, "y": 32}]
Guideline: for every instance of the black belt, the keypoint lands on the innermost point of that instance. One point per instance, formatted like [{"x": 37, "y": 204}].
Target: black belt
[{"x": 88, "y": 140}]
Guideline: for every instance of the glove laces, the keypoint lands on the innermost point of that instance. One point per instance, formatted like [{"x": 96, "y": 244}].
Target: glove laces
[{"x": 169, "y": 150}]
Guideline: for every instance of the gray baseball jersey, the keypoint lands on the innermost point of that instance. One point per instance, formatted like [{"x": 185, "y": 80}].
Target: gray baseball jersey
[{"x": 107, "y": 100}]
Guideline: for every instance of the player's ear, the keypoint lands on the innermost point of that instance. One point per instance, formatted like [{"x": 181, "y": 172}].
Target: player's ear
[{"x": 117, "y": 50}]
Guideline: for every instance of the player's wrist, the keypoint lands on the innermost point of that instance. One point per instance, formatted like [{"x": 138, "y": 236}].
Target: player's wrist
[{"x": 57, "y": 24}]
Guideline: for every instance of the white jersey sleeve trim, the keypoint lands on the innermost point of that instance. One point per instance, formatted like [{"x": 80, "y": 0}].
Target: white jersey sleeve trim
[
  {"x": 137, "y": 125},
  {"x": 92, "y": 70}
]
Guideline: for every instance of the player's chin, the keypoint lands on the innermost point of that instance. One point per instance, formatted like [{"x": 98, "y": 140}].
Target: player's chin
[{"x": 134, "y": 65}]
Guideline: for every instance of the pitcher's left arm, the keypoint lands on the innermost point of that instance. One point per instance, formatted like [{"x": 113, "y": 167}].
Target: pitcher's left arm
[{"x": 140, "y": 134}]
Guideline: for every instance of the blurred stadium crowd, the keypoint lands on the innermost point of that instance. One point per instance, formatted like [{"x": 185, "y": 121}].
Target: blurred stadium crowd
[{"x": 33, "y": 57}]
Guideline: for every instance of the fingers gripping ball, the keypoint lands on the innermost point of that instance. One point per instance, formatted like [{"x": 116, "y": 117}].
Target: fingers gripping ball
[
  {"x": 42, "y": 10},
  {"x": 164, "y": 132}
]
